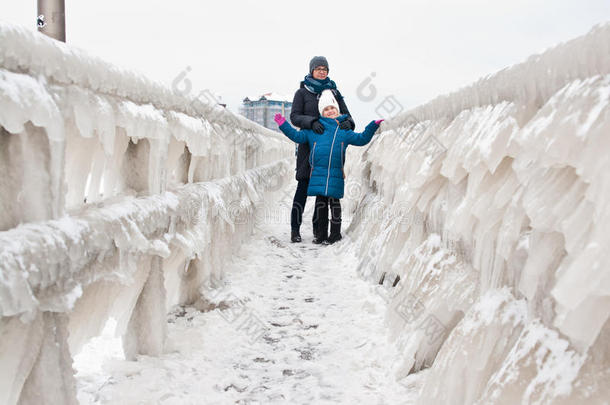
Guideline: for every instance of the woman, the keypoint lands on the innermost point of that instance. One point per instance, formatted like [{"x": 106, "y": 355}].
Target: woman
[{"x": 305, "y": 115}]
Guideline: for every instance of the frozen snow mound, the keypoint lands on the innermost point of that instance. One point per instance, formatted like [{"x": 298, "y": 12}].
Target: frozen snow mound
[
  {"x": 119, "y": 197},
  {"x": 488, "y": 210}
]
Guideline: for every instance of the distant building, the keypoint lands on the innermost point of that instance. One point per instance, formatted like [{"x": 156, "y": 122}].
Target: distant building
[{"x": 262, "y": 109}]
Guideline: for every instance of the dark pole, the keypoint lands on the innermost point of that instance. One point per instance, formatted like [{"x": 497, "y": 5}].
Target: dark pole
[{"x": 52, "y": 18}]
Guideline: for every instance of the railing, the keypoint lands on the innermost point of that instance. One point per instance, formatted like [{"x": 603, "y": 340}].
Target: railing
[
  {"x": 491, "y": 205},
  {"x": 119, "y": 199}
]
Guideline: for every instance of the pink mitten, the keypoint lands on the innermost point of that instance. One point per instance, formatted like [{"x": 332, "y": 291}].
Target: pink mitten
[
  {"x": 279, "y": 119},
  {"x": 378, "y": 122}
]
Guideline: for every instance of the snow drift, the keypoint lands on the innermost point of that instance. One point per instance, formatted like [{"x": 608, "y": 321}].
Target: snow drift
[{"x": 492, "y": 206}]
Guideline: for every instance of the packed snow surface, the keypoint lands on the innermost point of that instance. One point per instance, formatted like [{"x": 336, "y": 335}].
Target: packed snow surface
[{"x": 289, "y": 324}]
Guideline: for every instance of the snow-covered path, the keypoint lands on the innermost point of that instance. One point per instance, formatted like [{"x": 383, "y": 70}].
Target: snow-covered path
[{"x": 325, "y": 339}]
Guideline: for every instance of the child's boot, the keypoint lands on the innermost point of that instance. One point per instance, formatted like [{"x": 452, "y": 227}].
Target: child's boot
[{"x": 334, "y": 237}]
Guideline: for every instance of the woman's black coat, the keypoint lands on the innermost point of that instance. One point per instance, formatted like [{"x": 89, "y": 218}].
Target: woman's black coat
[{"x": 304, "y": 112}]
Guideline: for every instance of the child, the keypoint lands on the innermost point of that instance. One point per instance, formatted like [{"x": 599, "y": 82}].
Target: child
[{"x": 326, "y": 158}]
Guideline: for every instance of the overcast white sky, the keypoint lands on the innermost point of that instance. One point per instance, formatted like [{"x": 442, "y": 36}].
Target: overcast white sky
[{"x": 418, "y": 49}]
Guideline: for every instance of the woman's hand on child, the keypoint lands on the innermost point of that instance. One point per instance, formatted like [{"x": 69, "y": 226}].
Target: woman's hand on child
[
  {"x": 345, "y": 124},
  {"x": 378, "y": 122},
  {"x": 317, "y": 127},
  {"x": 279, "y": 118}
]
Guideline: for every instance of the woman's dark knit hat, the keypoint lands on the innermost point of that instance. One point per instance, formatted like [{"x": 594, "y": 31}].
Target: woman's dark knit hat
[{"x": 317, "y": 61}]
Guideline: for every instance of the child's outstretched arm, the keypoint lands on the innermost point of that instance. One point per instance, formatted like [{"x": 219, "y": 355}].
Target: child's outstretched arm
[
  {"x": 289, "y": 131},
  {"x": 364, "y": 137}
]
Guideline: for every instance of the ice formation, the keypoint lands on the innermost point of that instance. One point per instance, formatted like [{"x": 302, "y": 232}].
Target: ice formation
[
  {"x": 484, "y": 212},
  {"x": 492, "y": 205},
  {"x": 120, "y": 198}
]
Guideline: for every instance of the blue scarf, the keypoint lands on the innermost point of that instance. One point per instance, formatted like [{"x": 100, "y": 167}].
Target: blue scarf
[{"x": 316, "y": 86}]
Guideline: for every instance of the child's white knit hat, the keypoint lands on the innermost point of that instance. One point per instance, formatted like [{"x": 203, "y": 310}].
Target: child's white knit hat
[{"x": 326, "y": 99}]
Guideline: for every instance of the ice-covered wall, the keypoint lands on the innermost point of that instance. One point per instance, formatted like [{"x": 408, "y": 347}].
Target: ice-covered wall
[
  {"x": 120, "y": 197},
  {"x": 492, "y": 205}
]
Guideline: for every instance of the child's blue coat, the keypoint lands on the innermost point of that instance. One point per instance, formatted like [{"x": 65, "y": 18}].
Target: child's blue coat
[{"x": 327, "y": 154}]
